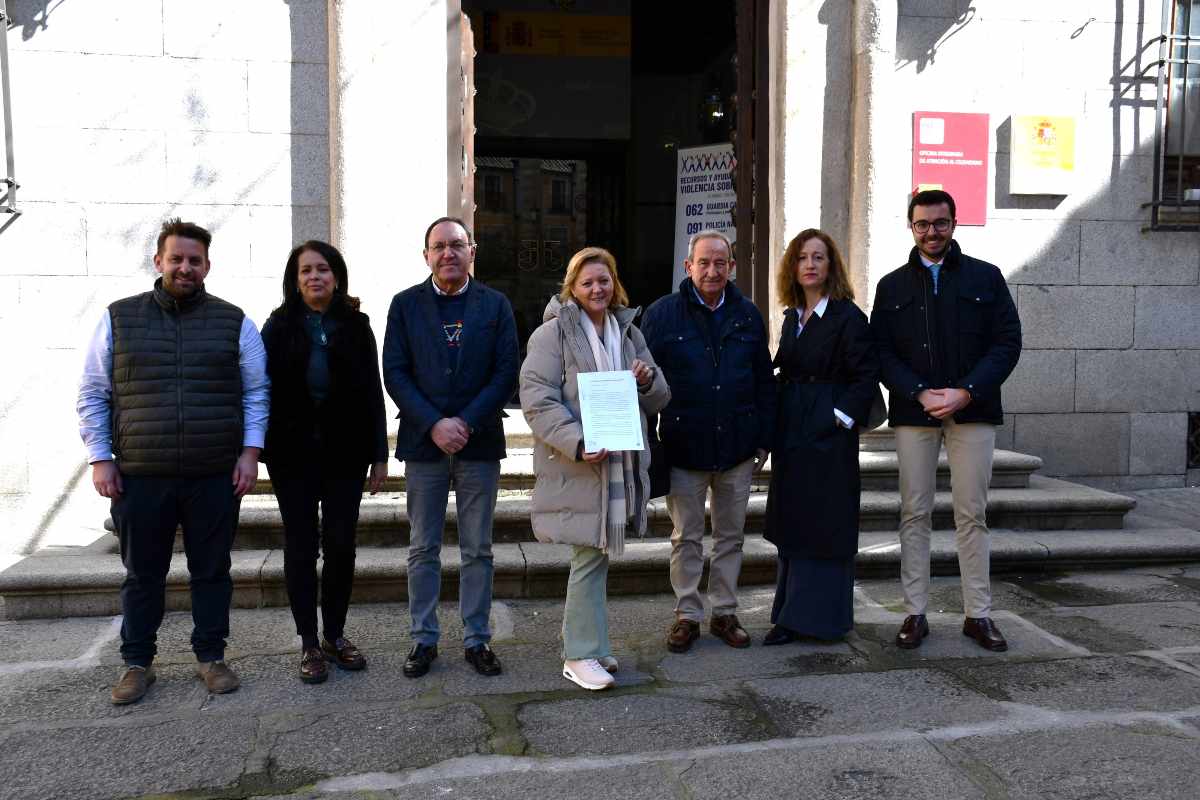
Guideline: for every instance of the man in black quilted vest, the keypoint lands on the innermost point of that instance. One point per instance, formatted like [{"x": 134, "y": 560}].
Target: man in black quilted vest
[{"x": 173, "y": 410}]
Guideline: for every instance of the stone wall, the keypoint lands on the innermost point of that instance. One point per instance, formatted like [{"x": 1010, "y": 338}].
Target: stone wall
[
  {"x": 1111, "y": 312},
  {"x": 125, "y": 114}
]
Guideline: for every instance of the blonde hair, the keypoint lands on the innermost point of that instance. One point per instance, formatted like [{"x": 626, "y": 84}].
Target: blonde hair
[
  {"x": 837, "y": 282},
  {"x": 590, "y": 255}
]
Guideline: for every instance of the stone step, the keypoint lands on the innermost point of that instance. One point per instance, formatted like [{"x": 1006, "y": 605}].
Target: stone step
[
  {"x": 879, "y": 470},
  {"x": 53, "y": 584},
  {"x": 1046, "y": 504}
]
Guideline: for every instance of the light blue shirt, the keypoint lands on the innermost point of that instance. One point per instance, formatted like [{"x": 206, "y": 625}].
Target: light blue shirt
[
  {"x": 94, "y": 404},
  {"x": 934, "y": 268}
]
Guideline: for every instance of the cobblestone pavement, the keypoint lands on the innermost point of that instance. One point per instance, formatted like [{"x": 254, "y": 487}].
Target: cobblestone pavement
[{"x": 1098, "y": 697}]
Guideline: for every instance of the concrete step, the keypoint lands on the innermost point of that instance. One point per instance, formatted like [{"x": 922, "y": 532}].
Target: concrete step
[
  {"x": 879, "y": 470},
  {"x": 1046, "y": 504},
  {"x": 55, "y": 584}
]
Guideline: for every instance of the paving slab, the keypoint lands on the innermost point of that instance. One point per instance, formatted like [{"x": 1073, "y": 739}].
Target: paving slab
[
  {"x": 353, "y": 740},
  {"x": 877, "y": 627},
  {"x": 652, "y": 781},
  {"x": 526, "y": 669},
  {"x": 271, "y": 682},
  {"x": 945, "y": 594},
  {"x": 51, "y": 639},
  {"x": 165, "y": 755},
  {"x": 1096, "y": 589},
  {"x": 46, "y": 696},
  {"x": 627, "y": 722},
  {"x": 1107, "y": 683},
  {"x": 1093, "y": 763},
  {"x": 908, "y": 770},
  {"x": 1124, "y": 628},
  {"x": 713, "y": 660},
  {"x": 911, "y": 699}
]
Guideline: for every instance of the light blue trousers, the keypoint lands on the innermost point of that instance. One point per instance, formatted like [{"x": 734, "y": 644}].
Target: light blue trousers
[
  {"x": 585, "y": 617},
  {"x": 428, "y": 488}
]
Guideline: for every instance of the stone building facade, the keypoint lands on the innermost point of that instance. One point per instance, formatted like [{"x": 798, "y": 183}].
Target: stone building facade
[{"x": 272, "y": 122}]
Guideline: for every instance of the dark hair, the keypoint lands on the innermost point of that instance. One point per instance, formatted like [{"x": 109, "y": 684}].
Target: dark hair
[
  {"x": 188, "y": 230},
  {"x": 931, "y": 197},
  {"x": 455, "y": 220},
  {"x": 291, "y": 280}
]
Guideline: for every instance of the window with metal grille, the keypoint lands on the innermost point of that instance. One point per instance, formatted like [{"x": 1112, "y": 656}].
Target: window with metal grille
[
  {"x": 1193, "y": 444},
  {"x": 8, "y": 201},
  {"x": 1176, "y": 204}
]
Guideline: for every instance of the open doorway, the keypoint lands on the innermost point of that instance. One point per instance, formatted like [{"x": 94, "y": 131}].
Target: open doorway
[{"x": 580, "y": 110}]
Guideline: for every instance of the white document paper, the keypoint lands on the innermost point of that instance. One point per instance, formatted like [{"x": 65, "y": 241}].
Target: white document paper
[{"x": 609, "y": 406}]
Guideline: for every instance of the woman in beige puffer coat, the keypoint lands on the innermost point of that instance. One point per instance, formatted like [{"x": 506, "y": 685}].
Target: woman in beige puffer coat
[{"x": 578, "y": 496}]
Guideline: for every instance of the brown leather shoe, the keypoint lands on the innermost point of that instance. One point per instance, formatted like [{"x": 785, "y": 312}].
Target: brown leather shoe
[
  {"x": 912, "y": 631},
  {"x": 682, "y": 634},
  {"x": 343, "y": 653},
  {"x": 985, "y": 633},
  {"x": 727, "y": 628},
  {"x": 218, "y": 677},
  {"x": 313, "y": 668},
  {"x": 133, "y": 685}
]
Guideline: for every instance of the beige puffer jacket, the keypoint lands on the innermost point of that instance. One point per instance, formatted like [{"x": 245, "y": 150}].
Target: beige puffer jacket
[{"x": 570, "y": 497}]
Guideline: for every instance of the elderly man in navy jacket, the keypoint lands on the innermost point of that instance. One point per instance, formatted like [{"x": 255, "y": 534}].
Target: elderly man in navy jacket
[
  {"x": 450, "y": 360},
  {"x": 948, "y": 336},
  {"x": 711, "y": 344}
]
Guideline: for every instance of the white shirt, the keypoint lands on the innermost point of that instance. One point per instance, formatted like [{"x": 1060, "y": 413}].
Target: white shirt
[
  {"x": 819, "y": 310},
  {"x": 94, "y": 404},
  {"x": 438, "y": 290}
]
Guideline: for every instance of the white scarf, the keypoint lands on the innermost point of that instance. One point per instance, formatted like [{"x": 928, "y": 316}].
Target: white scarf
[{"x": 620, "y": 493}]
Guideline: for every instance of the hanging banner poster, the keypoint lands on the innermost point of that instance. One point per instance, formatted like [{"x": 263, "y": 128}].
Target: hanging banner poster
[
  {"x": 950, "y": 152},
  {"x": 704, "y": 197},
  {"x": 1043, "y": 155}
]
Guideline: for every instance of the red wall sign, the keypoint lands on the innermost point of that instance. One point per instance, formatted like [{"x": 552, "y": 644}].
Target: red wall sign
[{"x": 950, "y": 152}]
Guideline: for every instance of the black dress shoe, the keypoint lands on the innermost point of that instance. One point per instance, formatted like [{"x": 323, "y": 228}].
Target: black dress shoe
[
  {"x": 419, "y": 659},
  {"x": 779, "y": 635},
  {"x": 912, "y": 631},
  {"x": 985, "y": 633},
  {"x": 483, "y": 660}
]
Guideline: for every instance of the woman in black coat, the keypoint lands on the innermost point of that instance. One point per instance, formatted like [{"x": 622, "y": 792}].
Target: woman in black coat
[
  {"x": 828, "y": 376},
  {"x": 326, "y": 429}
]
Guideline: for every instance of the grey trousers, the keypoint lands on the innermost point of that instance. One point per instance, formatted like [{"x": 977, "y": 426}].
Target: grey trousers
[
  {"x": 730, "y": 493},
  {"x": 969, "y": 448}
]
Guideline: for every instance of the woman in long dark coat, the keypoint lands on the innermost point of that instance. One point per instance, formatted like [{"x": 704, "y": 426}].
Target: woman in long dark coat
[
  {"x": 828, "y": 374},
  {"x": 326, "y": 430}
]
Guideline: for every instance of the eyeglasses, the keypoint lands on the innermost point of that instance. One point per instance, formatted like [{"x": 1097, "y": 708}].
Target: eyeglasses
[
  {"x": 940, "y": 225},
  {"x": 458, "y": 247}
]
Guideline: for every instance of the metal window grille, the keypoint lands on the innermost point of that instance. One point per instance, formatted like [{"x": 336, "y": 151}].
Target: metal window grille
[
  {"x": 1176, "y": 204},
  {"x": 8, "y": 202}
]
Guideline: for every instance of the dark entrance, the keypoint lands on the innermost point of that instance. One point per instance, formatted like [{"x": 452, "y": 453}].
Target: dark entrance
[{"x": 580, "y": 110}]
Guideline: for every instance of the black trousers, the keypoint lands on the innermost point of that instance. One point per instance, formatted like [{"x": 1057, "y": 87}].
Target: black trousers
[
  {"x": 299, "y": 492},
  {"x": 146, "y": 516}
]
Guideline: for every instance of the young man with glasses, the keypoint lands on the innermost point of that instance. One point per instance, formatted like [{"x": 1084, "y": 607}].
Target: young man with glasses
[
  {"x": 948, "y": 335},
  {"x": 450, "y": 362}
]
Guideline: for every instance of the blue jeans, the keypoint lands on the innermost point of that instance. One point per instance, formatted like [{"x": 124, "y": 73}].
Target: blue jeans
[{"x": 428, "y": 488}]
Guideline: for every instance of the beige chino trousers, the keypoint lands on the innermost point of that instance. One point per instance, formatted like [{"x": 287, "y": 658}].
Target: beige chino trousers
[
  {"x": 969, "y": 449},
  {"x": 685, "y": 503}
]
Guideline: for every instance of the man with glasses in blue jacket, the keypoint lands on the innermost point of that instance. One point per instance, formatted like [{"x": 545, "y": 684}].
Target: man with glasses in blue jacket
[
  {"x": 450, "y": 361},
  {"x": 948, "y": 336}
]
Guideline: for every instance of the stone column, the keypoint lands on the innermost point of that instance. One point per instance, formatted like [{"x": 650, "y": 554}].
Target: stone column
[
  {"x": 878, "y": 241},
  {"x": 389, "y": 146}
]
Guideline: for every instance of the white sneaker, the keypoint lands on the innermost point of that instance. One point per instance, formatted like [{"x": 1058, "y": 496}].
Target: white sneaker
[
  {"x": 609, "y": 663},
  {"x": 587, "y": 673}
]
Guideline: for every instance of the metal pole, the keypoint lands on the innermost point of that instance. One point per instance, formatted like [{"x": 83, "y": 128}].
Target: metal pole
[{"x": 10, "y": 176}]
